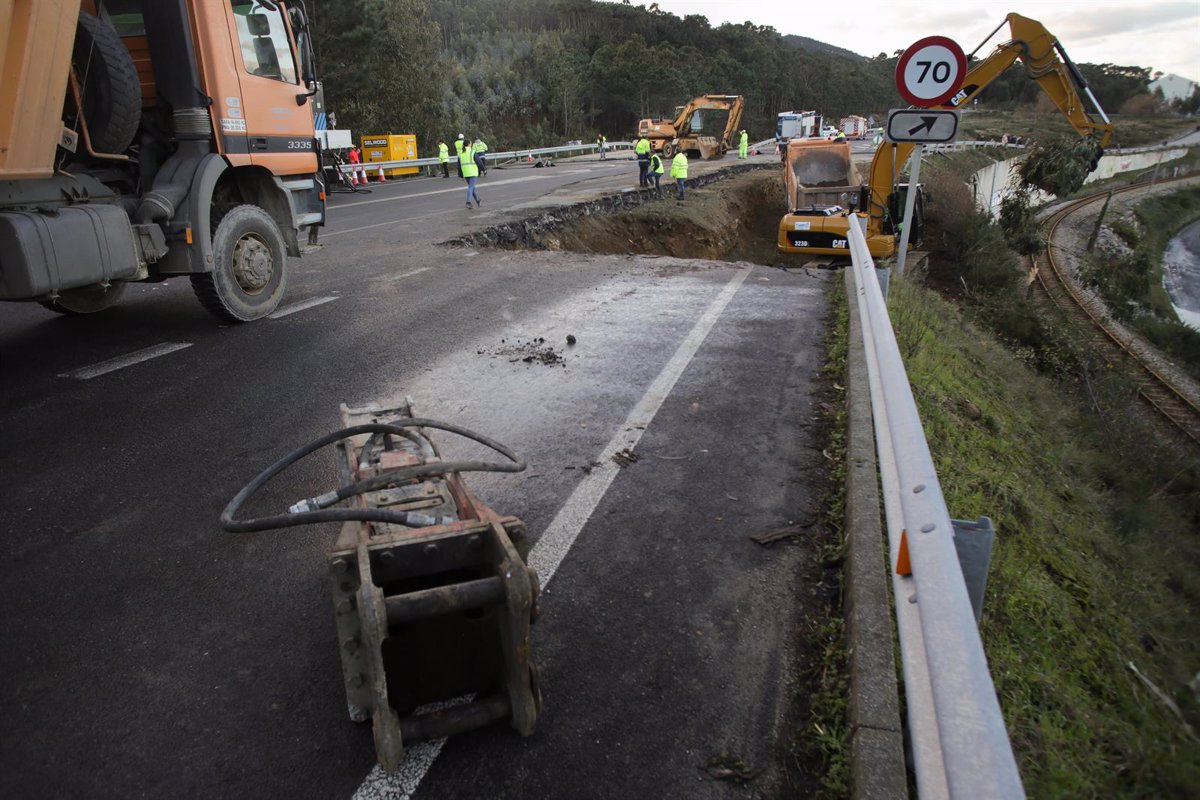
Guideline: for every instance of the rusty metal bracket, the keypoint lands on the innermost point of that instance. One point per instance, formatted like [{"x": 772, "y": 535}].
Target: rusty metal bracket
[{"x": 432, "y": 594}]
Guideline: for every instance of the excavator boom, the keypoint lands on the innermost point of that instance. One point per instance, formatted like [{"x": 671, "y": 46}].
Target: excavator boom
[{"x": 1045, "y": 61}]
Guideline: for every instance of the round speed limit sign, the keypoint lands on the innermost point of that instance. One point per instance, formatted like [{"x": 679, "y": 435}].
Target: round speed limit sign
[{"x": 931, "y": 71}]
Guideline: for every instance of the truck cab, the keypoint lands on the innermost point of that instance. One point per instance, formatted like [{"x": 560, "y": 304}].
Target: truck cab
[{"x": 174, "y": 137}]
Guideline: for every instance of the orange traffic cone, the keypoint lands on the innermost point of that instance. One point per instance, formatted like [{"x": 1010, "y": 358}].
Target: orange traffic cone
[
  {"x": 353, "y": 178},
  {"x": 382, "y": 179},
  {"x": 530, "y": 159}
]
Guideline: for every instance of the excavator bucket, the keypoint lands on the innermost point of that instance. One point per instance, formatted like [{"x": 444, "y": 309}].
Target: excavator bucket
[
  {"x": 818, "y": 171},
  {"x": 433, "y": 622}
]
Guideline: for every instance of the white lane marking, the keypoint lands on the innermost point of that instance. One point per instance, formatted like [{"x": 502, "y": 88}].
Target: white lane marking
[
  {"x": 564, "y": 529},
  {"x": 303, "y": 305},
  {"x": 460, "y": 188},
  {"x": 410, "y": 273},
  {"x": 120, "y": 362},
  {"x": 557, "y": 539}
]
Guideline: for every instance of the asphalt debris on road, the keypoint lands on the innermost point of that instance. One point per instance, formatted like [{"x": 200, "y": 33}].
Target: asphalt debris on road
[
  {"x": 623, "y": 458},
  {"x": 768, "y": 538},
  {"x": 528, "y": 351},
  {"x": 728, "y": 767}
]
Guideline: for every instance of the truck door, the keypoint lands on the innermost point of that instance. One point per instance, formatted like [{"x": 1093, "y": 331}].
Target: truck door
[{"x": 279, "y": 132}]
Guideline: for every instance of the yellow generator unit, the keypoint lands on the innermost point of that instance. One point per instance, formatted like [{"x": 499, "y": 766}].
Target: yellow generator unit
[{"x": 391, "y": 147}]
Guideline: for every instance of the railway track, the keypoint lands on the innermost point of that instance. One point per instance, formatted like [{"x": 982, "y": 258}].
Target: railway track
[{"x": 1122, "y": 349}]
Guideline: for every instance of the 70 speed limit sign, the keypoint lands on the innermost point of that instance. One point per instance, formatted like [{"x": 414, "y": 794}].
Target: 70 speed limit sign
[{"x": 931, "y": 71}]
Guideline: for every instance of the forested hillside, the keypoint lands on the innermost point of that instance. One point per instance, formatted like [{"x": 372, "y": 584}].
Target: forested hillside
[{"x": 537, "y": 72}]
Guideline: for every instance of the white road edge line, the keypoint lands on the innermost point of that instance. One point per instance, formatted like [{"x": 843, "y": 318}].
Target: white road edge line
[
  {"x": 120, "y": 362},
  {"x": 303, "y": 305},
  {"x": 564, "y": 529}
]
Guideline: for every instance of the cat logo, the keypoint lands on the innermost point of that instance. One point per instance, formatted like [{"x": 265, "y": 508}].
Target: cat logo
[{"x": 958, "y": 98}]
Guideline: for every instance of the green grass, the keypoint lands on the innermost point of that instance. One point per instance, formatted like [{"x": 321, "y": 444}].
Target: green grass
[
  {"x": 1130, "y": 131},
  {"x": 825, "y": 736},
  {"x": 1096, "y": 558}
]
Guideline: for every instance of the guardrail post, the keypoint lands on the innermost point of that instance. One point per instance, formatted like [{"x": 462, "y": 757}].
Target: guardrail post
[{"x": 973, "y": 543}]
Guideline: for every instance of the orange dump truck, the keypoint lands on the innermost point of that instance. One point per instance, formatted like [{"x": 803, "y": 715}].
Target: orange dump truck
[{"x": 142, "y": 140}]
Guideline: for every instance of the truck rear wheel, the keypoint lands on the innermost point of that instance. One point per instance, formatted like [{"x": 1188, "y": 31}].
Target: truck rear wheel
[
  {"x": 668, "y": 150},
  {"x": 249, "y": 266},
  {"x": 85, "y": 299}
]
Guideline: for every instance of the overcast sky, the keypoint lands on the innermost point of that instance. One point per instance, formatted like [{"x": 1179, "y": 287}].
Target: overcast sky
[{"x": 1161, "y": 34}]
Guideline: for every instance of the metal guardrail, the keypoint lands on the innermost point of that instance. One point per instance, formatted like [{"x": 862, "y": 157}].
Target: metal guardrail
[
  {"x": 959, "y": 742},
  {"x": 969, "y": 145},
  {"x": 535, "y": 153}
]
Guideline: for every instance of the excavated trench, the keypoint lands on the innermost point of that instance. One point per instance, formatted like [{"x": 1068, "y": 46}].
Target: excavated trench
[{"x": 729, "y": 215}]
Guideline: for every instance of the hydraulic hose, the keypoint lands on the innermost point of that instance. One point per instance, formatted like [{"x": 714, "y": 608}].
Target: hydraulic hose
[{"x": 302, "y": 515}]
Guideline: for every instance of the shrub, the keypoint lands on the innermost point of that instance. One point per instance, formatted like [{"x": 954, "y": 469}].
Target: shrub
[{"x": 1059, "y": 167}]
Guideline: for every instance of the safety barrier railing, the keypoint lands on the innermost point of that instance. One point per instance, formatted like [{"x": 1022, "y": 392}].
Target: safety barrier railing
[
  {"x": 958, "y": 739},
  {"x": 536, "y": 153}
]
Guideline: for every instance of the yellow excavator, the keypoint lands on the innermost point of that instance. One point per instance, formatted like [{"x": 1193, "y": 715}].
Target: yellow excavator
[
  {"x": 673, "y": 136},
  {"x": 824, "y": 190}
]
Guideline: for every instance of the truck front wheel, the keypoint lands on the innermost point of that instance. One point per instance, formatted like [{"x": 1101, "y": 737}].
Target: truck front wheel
[{"x": 249, "y": 266}]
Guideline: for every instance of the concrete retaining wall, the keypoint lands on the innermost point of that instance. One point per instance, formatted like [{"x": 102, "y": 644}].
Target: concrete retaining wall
[{"x": 998, "y": 180}]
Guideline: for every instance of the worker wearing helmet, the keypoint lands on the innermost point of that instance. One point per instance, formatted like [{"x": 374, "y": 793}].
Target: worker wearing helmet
[
  {"x": 459, "y": 144},
  {"x": 743, "y": 144}
]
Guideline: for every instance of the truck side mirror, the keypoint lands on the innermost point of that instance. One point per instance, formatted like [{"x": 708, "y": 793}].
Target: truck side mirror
[{"x": 299, "y": 21}]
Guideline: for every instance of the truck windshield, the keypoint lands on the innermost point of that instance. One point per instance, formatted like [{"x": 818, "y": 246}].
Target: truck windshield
[{"x": 266, "y": 51}]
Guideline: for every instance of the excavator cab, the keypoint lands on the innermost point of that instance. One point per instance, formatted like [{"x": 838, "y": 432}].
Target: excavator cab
[{"x": 895, "y": 213}]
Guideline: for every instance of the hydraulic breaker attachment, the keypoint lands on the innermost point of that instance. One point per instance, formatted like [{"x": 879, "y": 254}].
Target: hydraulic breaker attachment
[{"x": 433, "y": 599}]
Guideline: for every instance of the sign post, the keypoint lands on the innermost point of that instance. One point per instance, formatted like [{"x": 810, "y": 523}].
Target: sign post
[{"x": 928, "y": 74}]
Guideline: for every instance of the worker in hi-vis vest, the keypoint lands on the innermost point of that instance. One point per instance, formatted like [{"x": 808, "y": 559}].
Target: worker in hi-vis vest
[
  {"x": 642, "y": 149},
  {"x": 743, "y": 144},
  {"x": 679, "y": 171},
  {"x": 444, "y": 158},
  {"x": 479, "y": 148},
  {"x": 469, "y": 170},
  {"x": 459, "y": 144},
  {"x": 656, "y": 171}
]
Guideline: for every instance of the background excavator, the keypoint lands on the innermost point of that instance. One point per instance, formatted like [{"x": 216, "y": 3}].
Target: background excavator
[
  {"x": 823, "y": 188},
  {"x": 672, "y": 136}
]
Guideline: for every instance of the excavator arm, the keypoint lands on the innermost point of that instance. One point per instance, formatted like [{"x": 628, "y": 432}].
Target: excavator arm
[
  {"x": 732, "y": 125},
  {"x": 1045, "y": 62}
]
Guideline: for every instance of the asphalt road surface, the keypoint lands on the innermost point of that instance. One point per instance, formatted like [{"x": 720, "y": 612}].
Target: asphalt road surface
[{"x": 149, "y": 654}]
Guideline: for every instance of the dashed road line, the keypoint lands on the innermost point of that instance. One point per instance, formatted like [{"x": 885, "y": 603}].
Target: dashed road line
[
  {"x": 409, "y": 274},
  {"x": 120, "y": 362},
  {"x": 303, "y": 305},
  {"x": 564, "y": 529}
]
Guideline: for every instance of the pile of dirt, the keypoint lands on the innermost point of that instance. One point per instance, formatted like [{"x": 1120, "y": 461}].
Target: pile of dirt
[
  {"x": 531, "y": 351},
  {"x": 734, "y": 220}
]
